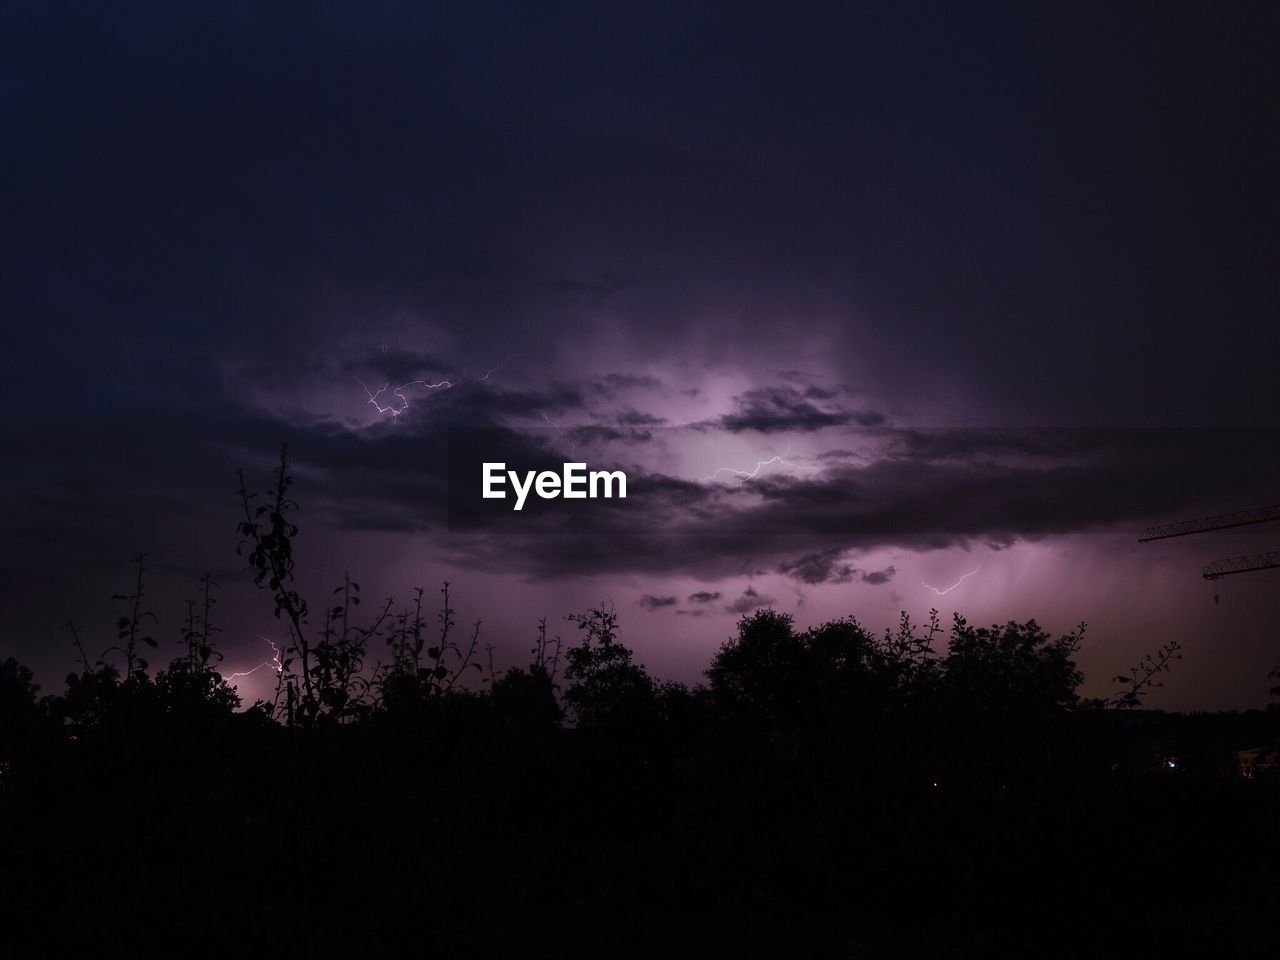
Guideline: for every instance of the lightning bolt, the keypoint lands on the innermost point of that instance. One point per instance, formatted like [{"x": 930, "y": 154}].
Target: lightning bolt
[
  {"x": 273, "y": 662},
  {"x": 396, "y": 403},
  {"x": 493, "y": 370},
  {"x": 745, "y": 475},
  {"x": 942, "y": 593},
  {"x": 572, "y": 445},
  {"x": 392, "y": 407}
]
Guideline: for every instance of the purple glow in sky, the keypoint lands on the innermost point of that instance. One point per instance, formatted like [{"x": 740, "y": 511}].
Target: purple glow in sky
[{"x": 870, "y": 331}]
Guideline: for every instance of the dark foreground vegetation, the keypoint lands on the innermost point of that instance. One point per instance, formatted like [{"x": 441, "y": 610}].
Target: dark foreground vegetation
[{"x": 827, "y": 792}]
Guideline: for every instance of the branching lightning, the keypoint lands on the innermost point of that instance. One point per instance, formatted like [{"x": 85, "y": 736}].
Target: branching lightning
[
  {"x": 392, "y": 400},
  {"x": 392, "y": 407},
  {"x": 943, "y": 593},
  {"x": 275, "y": 662},
  {"x": 745, "y": 475}
]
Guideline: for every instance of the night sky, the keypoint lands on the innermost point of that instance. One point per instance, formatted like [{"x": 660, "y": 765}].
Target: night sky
[{"x": 880, "y": 309}]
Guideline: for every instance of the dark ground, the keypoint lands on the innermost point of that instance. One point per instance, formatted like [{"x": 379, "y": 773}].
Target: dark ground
[{"x": 828, "y": 793}]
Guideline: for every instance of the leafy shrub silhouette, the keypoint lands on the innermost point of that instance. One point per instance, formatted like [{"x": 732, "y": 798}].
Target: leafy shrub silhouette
[
  {"x": 322, "y": 676},
  {"x": 1144, "y": 676},
  {"x": 130, "y": 626}
]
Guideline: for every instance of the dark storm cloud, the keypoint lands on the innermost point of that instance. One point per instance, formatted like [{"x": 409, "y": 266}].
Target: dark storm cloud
[
  {"x": 1126, "y": 474},
  {"x": 878, "y": 578},
  {"x": 613, "y": 383},
  {"x": 386, "y": 477},
  {"x": 828, "y": 566},
  {"x": 651, "y": 603},
  {"x": 478, "y": 402},
  {"x": 634, "y": 418},
  {"x": 750, "y": 600},
  {"x": 594, "y": 433},
  {"x": 825, "y": 566},
  {"x": 263, "y": 183},
  {"x": 974, "y": 444},
  {"x": 778, "y": 409},
  {"x": 704, "y": 596},
  {"x": 838, "y": 456},
  {"x": 395, "y": 366},
  {"x": 802, "y": 525}
]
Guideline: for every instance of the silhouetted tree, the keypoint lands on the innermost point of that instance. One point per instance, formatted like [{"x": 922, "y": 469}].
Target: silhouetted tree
[
  {"x": 605, "y": 687},
  {"x": 763, "y": 670},
  {"x": 19, "y": 714},
  {"x": 1014, "y": 668}
]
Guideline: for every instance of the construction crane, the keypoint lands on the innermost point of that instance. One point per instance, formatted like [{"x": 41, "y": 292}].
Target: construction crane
[
  {"x": 1241, "y": 518},
  {"x": 1257, "y": 561},
  {"x": 1223, "y": 521}
]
